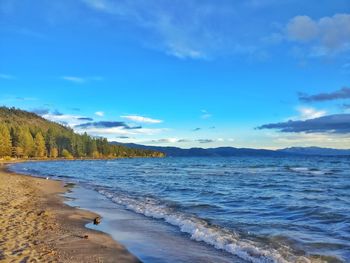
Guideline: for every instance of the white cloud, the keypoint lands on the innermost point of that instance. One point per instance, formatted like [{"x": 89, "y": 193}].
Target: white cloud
[
  {"x": 306, "y": 113},
  {"x": 107, "y": 132},
  {"x": 167, "y": 140},
  {"x": 74, "y": 79},
  {"x": 310, "y": 113},
  {"x": 66, "y": 119},
  {"x": 206, "y": 114},
  {"x": 302, "y": 28},
  {"x": 327, "y": 35},
  {"x": 174, "y": 140},
  {"x": 74, "y": 121},
  {"x": 140, "y": 119},
  {"x": 100, "y": 113}
]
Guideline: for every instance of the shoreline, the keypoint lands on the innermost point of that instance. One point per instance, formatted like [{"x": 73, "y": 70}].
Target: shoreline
[
  {"x": 148, "y": 239},
  {"x": 38, "y": 226}
]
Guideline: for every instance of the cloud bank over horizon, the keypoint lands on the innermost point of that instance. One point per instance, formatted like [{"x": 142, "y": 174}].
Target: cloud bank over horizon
[{"x": 337, "y": 123}]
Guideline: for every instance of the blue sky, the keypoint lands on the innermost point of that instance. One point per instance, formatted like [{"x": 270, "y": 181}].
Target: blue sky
[{"x": 183, "y": 73}]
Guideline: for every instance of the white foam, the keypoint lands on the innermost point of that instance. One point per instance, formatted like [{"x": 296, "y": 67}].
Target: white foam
[
  {"x": 307, "y": 171},
  {"x": 300, "y": 169},
  {"x": 200, "y": 230}
]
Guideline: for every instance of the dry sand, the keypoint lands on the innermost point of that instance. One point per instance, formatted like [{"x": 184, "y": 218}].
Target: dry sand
[{"x": 36, "y": 226}]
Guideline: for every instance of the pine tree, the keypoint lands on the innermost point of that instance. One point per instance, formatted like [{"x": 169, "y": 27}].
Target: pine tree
[
  {"x": 66, "y": 154},
  {"x": 39, "y": 145},
  {"x": 50, "y": 142},
  {"x": 54, "y": 152},
  {"x": 5, "y": 141},
  {"x": 26, "y": 142},
  {"x": 17, "y": 129}
]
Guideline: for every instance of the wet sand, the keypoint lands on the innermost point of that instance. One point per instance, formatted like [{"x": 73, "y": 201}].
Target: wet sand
[{"x": 36, "y": 225}]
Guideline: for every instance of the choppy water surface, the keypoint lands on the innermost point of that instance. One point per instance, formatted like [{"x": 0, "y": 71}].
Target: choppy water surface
[{"x": 258, "y": 209}]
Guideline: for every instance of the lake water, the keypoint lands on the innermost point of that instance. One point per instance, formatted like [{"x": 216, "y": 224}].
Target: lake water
[{"x": 255, "y": 209}]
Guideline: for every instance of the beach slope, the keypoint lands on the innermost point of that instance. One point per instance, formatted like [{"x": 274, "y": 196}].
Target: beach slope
[{"x": 36, "y": 226}]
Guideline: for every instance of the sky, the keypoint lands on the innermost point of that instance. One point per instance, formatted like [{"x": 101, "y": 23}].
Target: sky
[{"x": 187, "y": 73}]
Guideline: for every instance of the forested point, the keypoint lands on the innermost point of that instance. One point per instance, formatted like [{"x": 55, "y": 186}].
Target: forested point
[{"x": 26, "y": 135}]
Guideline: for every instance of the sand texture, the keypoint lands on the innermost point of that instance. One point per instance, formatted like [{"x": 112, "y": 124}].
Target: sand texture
[{"x": 36, "y": 226}]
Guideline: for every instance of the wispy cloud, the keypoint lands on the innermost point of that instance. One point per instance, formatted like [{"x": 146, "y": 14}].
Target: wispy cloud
[
  {"x": 66, "y": 119},
  {"x": 6, "y": 76},
  {"x": 108, "y": 129},
  {"x": 111, "y": 132},
  {"x": 206, "y": 114},
  {"x": 184, "y": 140},
  {"x": 205, "y": 140},
  {"x": 85, "y": 119},
  {"x": 343, "y": 93},
  {"x": 168, "y": 140},
  {"x": 57, "y": 113},
  {"x": 141, "y": 119},
  {"x": 100, "y": 113},
  {"x": 337, "y": 123},
  {"x": 306, "y": 113},
  {"x": 77, "y": 80},
  {"x": 40, "y": 111},
  {"x": 201, "y": 32},
  {"x": 106, "y": 124},
  {"x": 114, "y": 129},
  {"x": 46, "y": 111},
  {"x": 81, "y": 80}
]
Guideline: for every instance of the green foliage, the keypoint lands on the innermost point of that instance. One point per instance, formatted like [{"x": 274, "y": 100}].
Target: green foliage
[
  {"x": 5, "y": 141},
  {"x": 53, "y": 153},
  {"x": 66, "y": 154},
  {"x": 26, "y": 135},
  {"x": 26, "y": 142},
  {"x": 39, "y": 145}
]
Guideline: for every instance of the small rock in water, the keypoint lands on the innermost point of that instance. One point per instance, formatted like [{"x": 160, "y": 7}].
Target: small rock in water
[{"x": 97, "y": 220}]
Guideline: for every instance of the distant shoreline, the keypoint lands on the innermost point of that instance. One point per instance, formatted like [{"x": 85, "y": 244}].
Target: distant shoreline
[
  {"x": 5, "y": 161},
  {"x": 41, "y": 227}
]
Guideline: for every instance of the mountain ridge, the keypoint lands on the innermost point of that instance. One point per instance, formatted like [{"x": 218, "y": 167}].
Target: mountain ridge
[{"x": 172, "y": 151}]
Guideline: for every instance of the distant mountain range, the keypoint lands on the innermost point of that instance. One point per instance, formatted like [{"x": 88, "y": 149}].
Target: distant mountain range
[
  {"x": 316, "y": 151},
  {"x": 231, "y": 151}
]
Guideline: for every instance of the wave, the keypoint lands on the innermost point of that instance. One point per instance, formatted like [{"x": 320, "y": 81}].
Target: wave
[
  {"x": 309, "y": 171},
  {"x": 198, "y": 229}
]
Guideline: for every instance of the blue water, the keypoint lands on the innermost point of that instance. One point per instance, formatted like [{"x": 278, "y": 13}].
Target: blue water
[{"x": 258, "y": 209}]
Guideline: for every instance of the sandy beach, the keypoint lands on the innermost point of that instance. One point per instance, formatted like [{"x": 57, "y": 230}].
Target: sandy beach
[{"x": 36, "y": 226}]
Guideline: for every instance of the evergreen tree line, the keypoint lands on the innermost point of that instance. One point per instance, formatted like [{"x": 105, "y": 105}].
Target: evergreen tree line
[{"x": 50, "y": 140}]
